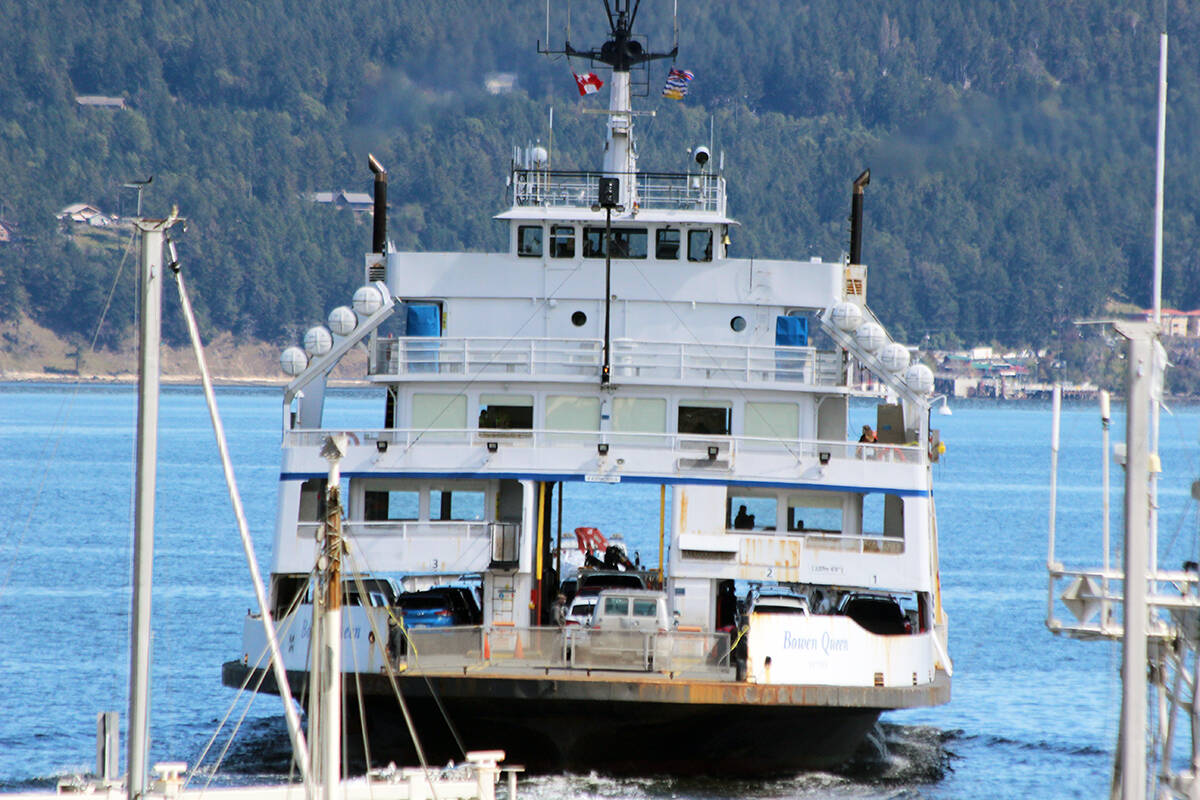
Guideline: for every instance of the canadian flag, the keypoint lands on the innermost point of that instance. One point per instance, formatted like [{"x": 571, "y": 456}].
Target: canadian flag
[{"x": 588, "y": 84}]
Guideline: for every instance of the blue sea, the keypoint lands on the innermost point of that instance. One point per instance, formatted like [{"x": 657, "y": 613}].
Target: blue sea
[{"x": 1032, "y": 715}]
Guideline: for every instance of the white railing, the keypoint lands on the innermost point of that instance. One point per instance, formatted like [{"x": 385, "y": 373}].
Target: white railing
[
  {"x": 633, "y": 361},
  {"x": 503, "y": 537},
  {"x": 685, "y": 446},
  {"x": 677, "y": 191},
  {"x": 571, "y": 648},
  {"x": 434, "y": 357},
  {"x": 698, "y": 362}
]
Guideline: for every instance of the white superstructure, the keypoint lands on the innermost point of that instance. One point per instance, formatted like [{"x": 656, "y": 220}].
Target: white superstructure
[{"x": 509, "y": 377}]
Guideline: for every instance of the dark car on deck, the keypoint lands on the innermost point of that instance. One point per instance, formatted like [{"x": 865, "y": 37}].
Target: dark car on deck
[
  {"x": 441, "y": 606},
  {"x": 879, "y": 614}
]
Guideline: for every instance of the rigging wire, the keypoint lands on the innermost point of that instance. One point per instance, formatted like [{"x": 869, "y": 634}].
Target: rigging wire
[
  {"x": 358, "y": 572},
  {"x": 500, "y": 351},
  {"x": 262, "y": 675},
  {"x": 716, "y": 364}
]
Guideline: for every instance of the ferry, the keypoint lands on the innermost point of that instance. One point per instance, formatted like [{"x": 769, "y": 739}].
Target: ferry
[{"x": 618, "y": 344}]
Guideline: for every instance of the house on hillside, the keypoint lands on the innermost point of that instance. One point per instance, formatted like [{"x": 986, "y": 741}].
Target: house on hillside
[
  {"x": 358, "y": 202},
  {"x": 100, "y": 101},
  {"x": 84, "y": 214},
  {"x": 500, "y": 82},
  {"x": 1178, "y": 323},
  {"x": 6, "y": 232}
]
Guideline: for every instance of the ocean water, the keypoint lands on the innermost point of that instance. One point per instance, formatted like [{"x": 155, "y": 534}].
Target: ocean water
[{"x": 1032, "y": 715}]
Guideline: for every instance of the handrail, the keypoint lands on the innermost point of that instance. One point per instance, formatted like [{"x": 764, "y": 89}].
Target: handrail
[
  {"x": 634, "y": 361},
  {"x": 654, "y": 190}
]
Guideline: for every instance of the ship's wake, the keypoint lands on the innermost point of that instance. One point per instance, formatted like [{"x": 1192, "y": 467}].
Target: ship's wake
[{"x": 893, "y": 764}]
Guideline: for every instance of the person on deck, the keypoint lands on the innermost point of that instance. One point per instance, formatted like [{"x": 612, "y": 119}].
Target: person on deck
[
  {"x": 743, "y": 521},
  {"x": 868, "y": 435},
  {"x": 558, "y": 611}
]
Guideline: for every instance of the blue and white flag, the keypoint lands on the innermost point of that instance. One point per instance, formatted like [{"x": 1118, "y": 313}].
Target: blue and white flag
[{"x": 677, "y": 83}]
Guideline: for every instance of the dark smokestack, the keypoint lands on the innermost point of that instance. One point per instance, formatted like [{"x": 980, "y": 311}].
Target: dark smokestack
[
  {"x": 856, "y": 214},
  {"x": 379, "y": 234}
]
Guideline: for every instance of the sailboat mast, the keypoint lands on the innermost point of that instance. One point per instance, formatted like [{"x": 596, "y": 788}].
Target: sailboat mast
[
  {"x": 327, "y": 629},
  {"x": 149, "y": 334}
]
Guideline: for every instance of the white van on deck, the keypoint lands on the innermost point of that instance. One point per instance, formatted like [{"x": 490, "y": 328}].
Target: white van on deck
[{"x": 631, "y": 610}]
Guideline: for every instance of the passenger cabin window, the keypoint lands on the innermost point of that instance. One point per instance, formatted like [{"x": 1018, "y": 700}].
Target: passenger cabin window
[
  {"x": 710, "y": 419},
  {"x": 700, "y": 245},
  {"x": 312, "y": 500},
  {"x": 382, "y": 506},
  {"x": 750, "y": 513},
  {"x": 779, "y": 421},
  {"x": 529, "y": 240},
  {"x": 639, "y": 414},
  {"x": 666, "y": 244},
  {"x": 626, "y": 243},
  {"x": 817, "y": 512},
  {"x": 883, "y": 514},
  {"x": 562, "y": 241},
  {"x": 506, "y": 412},
  {"x": 456, "y": 505}
]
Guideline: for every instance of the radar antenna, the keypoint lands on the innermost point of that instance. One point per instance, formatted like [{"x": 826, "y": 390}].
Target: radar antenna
[{"x": 621, "y": 51}]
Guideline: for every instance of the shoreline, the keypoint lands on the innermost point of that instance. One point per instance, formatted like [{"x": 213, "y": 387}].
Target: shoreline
[{"x": 131, "y": 379}]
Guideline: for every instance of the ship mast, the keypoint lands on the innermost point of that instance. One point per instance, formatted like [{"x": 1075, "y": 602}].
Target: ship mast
[{"x": 622, "y": 52}]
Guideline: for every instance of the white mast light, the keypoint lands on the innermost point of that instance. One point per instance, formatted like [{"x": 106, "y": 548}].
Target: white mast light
[
  {"x": 367, "y": 300},
  {"x": 342, "y": 321},
  {"x": 318, "y": 340}
]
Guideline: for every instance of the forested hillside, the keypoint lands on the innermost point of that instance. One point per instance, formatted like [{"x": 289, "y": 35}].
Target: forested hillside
[{"x": 1011, "y": 144}]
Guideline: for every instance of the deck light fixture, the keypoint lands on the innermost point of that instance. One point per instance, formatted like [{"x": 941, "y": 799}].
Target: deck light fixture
[
  {"x": 493, "y": 446},
  {"x": 713, "y": 450},
  {"x": 823, "y": 457},
  {"x": 602, "y": 448},
  {"x": 381, "y": 445}
]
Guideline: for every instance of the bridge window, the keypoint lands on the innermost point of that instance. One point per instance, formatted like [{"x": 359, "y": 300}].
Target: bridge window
[
  {"x": 626, "y": 243},
  {"x": 639, "y": 415},
  {"x": 506, "y": 411},
  {"x": 562, "y": 241},
  {"x": 564, "y": 413},
  {"x": 707, "y": 418},
  {"x": 700, "y": 244},
  {"x": 529, "y": 240},
  {"x": 666, "y": 244}
]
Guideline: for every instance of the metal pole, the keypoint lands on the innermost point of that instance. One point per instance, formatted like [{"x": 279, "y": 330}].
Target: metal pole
[
  {"x": 1160, "y": 168},
  {"x": 1051, "y": 565},
  {"x": 143, "y": 530},
  {"x": 605, "y": 372},
  {"x": 1105, "y": 424},
  {"x": 330, "y": 686},
  {"x": 1137, "y": 506}
]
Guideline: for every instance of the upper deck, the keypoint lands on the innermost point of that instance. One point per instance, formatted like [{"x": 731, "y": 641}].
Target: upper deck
[{"x": 694, "y": 193}]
